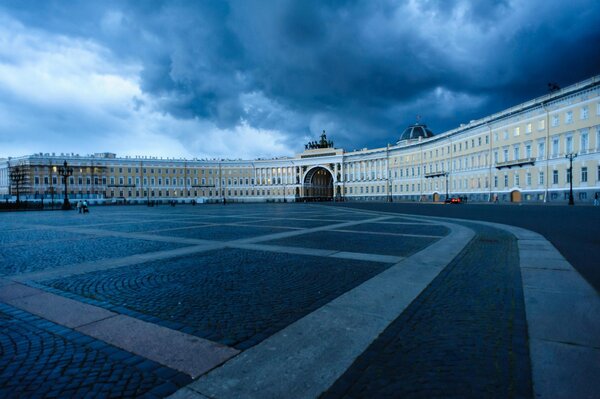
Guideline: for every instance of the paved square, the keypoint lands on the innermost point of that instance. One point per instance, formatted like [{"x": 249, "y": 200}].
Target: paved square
[{"x": 170, "y": 293}]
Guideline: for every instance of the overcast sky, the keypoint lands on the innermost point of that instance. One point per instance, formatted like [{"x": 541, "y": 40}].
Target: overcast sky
[{"x": 250, "y": 78}]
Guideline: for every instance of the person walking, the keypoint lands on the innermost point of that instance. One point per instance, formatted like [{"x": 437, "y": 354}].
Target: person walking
[
  {"x": 596, "y": 200},
  {"x": 79, "y": 207}
]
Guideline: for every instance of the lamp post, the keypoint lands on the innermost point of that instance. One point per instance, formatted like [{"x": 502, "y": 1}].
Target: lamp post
[
  {"x": 446, "y": 176},
  {"x": 65, "y": 171},
  {"x": 570, "y": 157}
]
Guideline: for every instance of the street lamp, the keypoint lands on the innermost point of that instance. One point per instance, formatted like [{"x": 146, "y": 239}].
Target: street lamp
[
  {"x": 65, "y": 171},
  {"x": 570, "y": 157},
  {"x": 446, "y": 176}
]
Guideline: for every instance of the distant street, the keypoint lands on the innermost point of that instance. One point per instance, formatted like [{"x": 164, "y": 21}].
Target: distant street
[{"x": 574, "y": 231}]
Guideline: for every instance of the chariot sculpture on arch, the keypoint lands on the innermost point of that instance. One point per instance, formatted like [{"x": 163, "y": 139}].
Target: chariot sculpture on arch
[{"x": 323, "y": 143}]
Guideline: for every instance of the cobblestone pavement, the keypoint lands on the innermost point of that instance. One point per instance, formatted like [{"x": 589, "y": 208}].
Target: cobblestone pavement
[
  {"x": 237, "y": 295},
  {"x": 41, "y": 359},
  {"x": 464, "y": 336},
  {"x": 347, "y": 241},
  {"x": 27, "y": 258}
]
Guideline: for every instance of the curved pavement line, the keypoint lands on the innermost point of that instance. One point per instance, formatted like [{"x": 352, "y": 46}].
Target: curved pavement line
[
  {"x": 563, "y": 317},
  {"x": 308, "y": 356},
  {"x": 563, "y": 320}
]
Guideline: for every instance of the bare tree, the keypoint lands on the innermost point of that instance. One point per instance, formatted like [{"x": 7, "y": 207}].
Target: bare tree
[{"x": 19, "y": 177}]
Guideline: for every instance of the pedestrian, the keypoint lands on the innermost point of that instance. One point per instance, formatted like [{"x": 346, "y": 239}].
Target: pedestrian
[
  {"x": 85, "y": 207},
  {"x": 596, "y": 201},
  {"x": 79, "y": 206}
]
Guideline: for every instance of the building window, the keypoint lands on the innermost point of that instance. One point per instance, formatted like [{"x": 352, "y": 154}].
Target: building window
[
  {"x": 554, "y": 120},
  {"x": 569, "y": 175},
  {"x": 528, "y": 151},
  {"x": 584, "y": 112},
  {"x": 541, "y": 177},
  {"x": 495, "y": 181},
  {"x": 569, "y": 117},
  {"x": 541, "y": 124},
  {"x": 517, "y": 180},
  {"x": 506, "y": 180},
  {"x": 555, "y": 177},
  {"x": 584, "y": 174},
  {"x": 517, "y": 131},
  {"x": 506, "y": 135},
  {"x": 516, "y": 153},
  {"x": 555, "y": 147},
  {"x": 528, "y": 179},
  {"x": 541, "y": 150},
  {"x": 528, "y": 128},
  {"x": 569, "y": 144},
  {"x": 584, "y": 141}
]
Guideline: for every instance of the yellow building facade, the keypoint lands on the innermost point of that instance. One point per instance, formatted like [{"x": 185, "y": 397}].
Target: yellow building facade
[{"x": 518, "y": 155}]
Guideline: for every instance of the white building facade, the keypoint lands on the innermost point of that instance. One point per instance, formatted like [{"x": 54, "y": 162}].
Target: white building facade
[{"x": 517, "y": 155}]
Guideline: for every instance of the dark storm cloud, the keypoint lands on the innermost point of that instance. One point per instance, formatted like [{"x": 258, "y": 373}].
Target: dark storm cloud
[{"x": 362, "y": 69}]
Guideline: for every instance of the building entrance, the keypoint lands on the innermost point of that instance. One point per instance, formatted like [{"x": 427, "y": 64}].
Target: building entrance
[
  {"x": 318, "y": 185},
  {"x": 515, "y": 196}
]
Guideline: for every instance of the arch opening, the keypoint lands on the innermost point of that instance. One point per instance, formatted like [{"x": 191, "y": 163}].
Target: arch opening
[{"x": 318, "y": 185}]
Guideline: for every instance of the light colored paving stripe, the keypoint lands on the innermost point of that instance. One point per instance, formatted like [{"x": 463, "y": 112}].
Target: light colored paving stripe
[
  {"x": 368, "y": 257},
  {"x": 186, "y": 353},
  {"x": 383, "y": 233},
  {"x": 60, "y": 310},
  {"x": 318, "y": 252},
  {"x": 15, "y": 291},
  {"x": 132, "y": 235},
  {"x": 284, "y": 249},
  {"x": 183, "y": 352},
  {"x": 563, "y": 318},
  {"x": 305, "y": 358},
  {"x": 294, "y": 233},
  {"x": 106, "y": 264}
]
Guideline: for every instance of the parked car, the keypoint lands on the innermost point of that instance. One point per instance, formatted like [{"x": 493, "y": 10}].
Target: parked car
[{"x": 453, "y": 200}]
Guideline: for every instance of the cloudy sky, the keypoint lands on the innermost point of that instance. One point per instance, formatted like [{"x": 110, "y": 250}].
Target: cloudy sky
[{"x": 259, "y": 78}]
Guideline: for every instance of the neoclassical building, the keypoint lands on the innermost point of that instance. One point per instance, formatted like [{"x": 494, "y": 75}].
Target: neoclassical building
[{"x": 519, "y": 154}]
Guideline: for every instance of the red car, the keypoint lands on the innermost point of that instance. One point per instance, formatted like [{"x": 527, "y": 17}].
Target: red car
[{"x": 453, "y": 200}]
